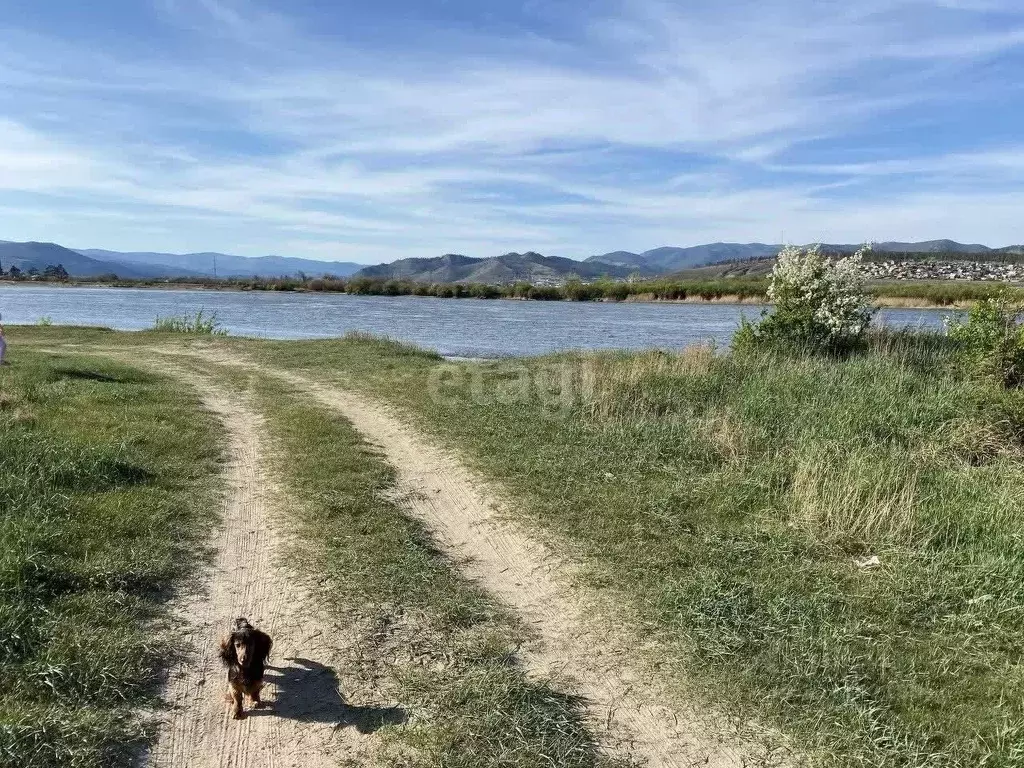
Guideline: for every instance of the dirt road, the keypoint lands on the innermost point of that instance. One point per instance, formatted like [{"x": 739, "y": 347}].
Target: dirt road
[{"x": 248, "y": 578}]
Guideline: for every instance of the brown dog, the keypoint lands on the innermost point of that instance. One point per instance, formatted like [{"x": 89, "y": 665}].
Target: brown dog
[{"x": 244, "y": 652}]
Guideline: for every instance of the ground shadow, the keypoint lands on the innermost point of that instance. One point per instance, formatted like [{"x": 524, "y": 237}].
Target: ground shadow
[
  {"x": 308, "y": 691},
  {"x": 86, "y": 375}
]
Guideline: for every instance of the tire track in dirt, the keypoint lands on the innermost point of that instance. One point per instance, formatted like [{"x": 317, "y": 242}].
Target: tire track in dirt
[
  {"x": 303, "y": 726},
  {"x": 581, "y": 655}
]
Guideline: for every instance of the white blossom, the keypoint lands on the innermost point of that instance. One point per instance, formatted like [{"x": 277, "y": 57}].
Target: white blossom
[{"x": 807, "y": 282}]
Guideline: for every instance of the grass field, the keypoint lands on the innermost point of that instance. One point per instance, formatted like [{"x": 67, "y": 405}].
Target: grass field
[
  {"x": 732, "y": 505},
  {"x": 729, "y": 500},
  {"x": 105, "y": 473}
]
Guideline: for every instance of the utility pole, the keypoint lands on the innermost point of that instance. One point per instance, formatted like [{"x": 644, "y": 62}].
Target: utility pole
[{"x": 215, "y": 266}]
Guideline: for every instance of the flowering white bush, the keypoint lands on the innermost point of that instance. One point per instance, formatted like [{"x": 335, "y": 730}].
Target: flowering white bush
[{"x": 820, "y": 303}]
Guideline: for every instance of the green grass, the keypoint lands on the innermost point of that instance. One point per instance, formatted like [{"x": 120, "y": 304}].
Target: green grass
[
  {"x": 104, "y": 472},
  {"x": 727, "y": 499},
  {"x": 428, "y": 639}
]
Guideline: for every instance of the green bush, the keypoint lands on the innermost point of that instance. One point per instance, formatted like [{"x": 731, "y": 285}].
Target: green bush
[
  {"x": 992, "y": 339},
  {"x": 821, "y": 306},
  {"x": 576, "y": 290},
  {"x": 484, "y": 291},
  {"x": 544, "y": 293}
]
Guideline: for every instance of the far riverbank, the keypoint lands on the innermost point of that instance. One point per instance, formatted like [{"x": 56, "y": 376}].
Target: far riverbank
[{"x": 738, "y": 291}]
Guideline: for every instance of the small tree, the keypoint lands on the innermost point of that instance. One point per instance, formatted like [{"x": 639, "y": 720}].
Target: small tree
[
  {"x": 575, "y": 289},
  {"x": 55, "y": 272},
  {"x": 992, "y": 339},
  {"x": 820, "y": 304}
]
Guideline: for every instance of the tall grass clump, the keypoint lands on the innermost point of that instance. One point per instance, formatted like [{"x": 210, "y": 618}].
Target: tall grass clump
[
  {"x": 942, "y": 294},
  {"x": 820, "y": 305},
  {"x": 199, "y": 324}
]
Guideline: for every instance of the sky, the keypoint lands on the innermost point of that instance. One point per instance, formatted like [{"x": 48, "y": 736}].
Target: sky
[{"x": 370, "y": 131}]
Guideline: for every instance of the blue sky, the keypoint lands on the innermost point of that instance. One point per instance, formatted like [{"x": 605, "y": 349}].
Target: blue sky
[{"x": 369, "y": 131}]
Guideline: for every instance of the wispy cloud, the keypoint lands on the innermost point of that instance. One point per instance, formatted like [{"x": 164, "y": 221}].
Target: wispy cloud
[{"x": 233, "y": 126}]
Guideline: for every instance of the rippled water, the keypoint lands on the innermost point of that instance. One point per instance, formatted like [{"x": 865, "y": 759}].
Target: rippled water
[{"x": 456, "y": 327}]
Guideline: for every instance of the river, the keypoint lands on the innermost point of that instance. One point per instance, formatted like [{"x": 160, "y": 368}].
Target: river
[{"x": 453, "y": 327}]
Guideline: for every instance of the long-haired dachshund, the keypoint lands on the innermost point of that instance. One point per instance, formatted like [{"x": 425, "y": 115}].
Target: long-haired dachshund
[{"x": 244, "y": 652}]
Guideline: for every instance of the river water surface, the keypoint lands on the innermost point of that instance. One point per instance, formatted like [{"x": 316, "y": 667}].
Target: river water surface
[{"x": 454, "y": 327}]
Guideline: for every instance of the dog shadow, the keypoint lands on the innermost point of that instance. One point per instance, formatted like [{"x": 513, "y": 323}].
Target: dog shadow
[{"x": 308, "y": 692}]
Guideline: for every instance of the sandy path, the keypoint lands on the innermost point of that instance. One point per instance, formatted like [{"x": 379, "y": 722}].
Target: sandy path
[
  {"x": 584, "y": 657},
  {"x": 302, "y": 727}
]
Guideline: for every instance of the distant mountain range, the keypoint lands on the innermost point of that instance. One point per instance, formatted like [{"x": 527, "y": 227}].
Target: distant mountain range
[
  {"x": 26, "y": 256},
  {"x": 225, "y": 265},
  {"x": 510, "y": 268},
  {"x": 664, "y": 260},
  {"x": 91, "y": 262},
  {"x": 535, "y": 268},
  {"x": 531, "y": 267}
]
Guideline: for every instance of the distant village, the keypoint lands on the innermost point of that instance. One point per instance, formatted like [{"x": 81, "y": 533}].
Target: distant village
[{"x": 943, "y": 270}]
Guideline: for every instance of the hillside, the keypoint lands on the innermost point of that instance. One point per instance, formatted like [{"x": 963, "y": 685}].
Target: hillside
[
  {"x": 92, "y": 262},
  {"x": 670, "y": 259},
  {"x": 26, "y": 256},
  {"x": 711, "y": 260},
  {"x": 224, "y": 264},
  {"x": 498, "y": 270},
  {"x": 991, "y": 264},
  {"x": 933, "y": 246}
]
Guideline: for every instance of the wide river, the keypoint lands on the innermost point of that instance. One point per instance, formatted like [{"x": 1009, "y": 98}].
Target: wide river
[{"x": 454, "y": 327}]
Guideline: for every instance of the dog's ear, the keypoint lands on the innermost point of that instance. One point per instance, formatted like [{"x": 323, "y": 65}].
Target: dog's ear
[
  {"x": 263, "y": 644},
  {"x": 227, "y": 651}
]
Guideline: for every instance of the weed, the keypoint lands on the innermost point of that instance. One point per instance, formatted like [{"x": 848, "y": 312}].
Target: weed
[{"x": 199, "y": 324}]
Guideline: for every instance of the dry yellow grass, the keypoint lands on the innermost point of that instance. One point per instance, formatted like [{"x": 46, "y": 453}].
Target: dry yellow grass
[
  {"x": 838, "y": 495},
  {"x": 614, "y": 385}
]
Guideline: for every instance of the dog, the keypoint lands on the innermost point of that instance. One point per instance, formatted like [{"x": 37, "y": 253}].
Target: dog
[{"x": 244, "y": 652}]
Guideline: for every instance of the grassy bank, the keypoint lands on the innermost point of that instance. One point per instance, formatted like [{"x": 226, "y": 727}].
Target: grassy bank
[
  {"x": 729, "y": 500},
  {"x": 734, "y": 504},
  {"x": 103, "y": 478}
]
